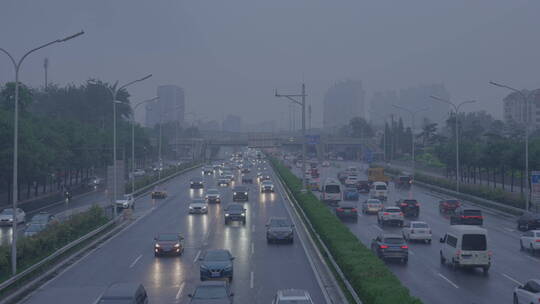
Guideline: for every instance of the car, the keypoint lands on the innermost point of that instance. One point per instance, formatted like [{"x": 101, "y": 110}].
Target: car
[
  {"x": 196, "y": 183},
  {"x": 159, "y": 194},
  {"x": 139, "y": 172},
  {"x": 325, "y": 163},
  {"x": 240, "y": 194},
  {"x": 43, "y": 218},
  {"x": 245, "y": 170},
  {"x": 33, "y": 229},
  {"x": 223, "y": 182},
  {"x": 267, "y": 186},
  {"x": 292, "y": 296},
  {"x": 527, "y": 293},
  {"x": 528, "y": 221},
  {"x": 409, "y": 207},
  {"x": 279, "y": 229},
  {"x": 465, "y": 246},
  {"x": 363, "y": 186},
  {"x": 379, "y": 190},
  {"x": 217, "y": 292},
  {"x": 198, "y": 206},
  {"x": 168, "y": 243},
  {"x": 403, "y": 182},
  {"x": 351, "y": 194},
  {"x": 213, "y": 196},
  {"x": 449, "y": 205},
  {"x": 93, "y": 182},
  {"x": 390, "y": 215},
  {"x": 351, "y": 180},
  {"x": 216, "y": 264},
  {"x": 247, "y": 178},
  {"x": 530, "y": 240},
  {"x": 128, "y": 201},
  {"x": 207, "y": 170},
  {"x": 390, "y": 246},
  {"x": 372, "y": 206},
  {"x": 467, "y": 216},
  {"x": 347, "y": 210},
  {"x": 120, "y": 293},
  {"x": 264, "y": 177},
  {"x": 235, "y": 212},
  {"x": 417, "y": 231},
  {"x": 7, "y": 216}
]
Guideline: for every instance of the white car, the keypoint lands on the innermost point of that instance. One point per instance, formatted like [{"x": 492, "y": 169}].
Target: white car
[
  {"x": 417, "y": 231},
  {"x": 139, "y": 172},
  {"x": 392, "y": 215},
  {"x": 6, "y": 217},
  {"x": 325, "y": 163},
  {"x": 128, "y": 201},
  {"x": 351, "y": 180},
  {"x": 198, "y": 206},
  {"x": 288, "y": 296},
  {"x": 527, "y": 293},
  {"x": 530, "y": 240}
]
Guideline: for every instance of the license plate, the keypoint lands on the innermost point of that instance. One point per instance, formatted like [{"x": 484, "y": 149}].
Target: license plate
[
  {"x": 215, "y": 274},
  {"x": 347, "y": 211}
]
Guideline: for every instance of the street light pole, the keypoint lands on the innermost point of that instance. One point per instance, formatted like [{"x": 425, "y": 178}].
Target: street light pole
[
  {"x": 413, "y": 115},
  {"x": 17, "y": 67},
  {"x": 384, "y": 133},
  {"x": 456, "y": 112},
  {"x": 114, "y": 91},
  {"x": 527, "y": 122},
  {"x": 302, "y": 103},
  {"x": 133, "y": 141}
]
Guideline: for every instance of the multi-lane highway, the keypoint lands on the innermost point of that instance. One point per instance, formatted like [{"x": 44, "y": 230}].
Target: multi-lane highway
[
  {"x": 260, "y": 269},
  {"x": 435, "y": 283}
]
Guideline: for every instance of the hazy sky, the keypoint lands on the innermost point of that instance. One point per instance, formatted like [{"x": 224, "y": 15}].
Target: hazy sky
[{"x": 229, "y": 55}]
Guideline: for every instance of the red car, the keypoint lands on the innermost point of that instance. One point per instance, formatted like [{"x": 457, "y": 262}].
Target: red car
[{"x": 449, "y": 205}]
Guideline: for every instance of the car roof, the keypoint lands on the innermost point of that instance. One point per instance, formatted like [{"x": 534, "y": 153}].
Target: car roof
[
  {"x": 391, "y": 235},
  {"x": 240, "y": 188},
  {"x": 121, "y": 290},
  {"x": 198, "y": 201},
  {"x": 463, "y": 229},
  {"x": 373, "y": 200},
  {"x": 417, "y": 222},
  {"x": 346, "y": 204},
  {"x": 296, "y": 294},
  {"x": 392, "y": 208}
]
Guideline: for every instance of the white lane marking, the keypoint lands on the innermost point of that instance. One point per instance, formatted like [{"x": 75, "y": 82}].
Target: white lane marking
[
  {"x": 251, "y": 280},
  {"x": 447, "y": 280},
  {"x": 252, "y": 248},
  {"x": 511, "y": 279},
  {"x": 135, "y": 262},
  {"x": 378, "y": 228},
  {"x": 197, "y": 256},
  {"x": 180, "y": 290}
]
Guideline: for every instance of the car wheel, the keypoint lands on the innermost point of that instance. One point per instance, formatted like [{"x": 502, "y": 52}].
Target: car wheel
[
  {"x": 405, "y": 260},
  {"x": 486, "y": 270},
  {"x": 428, "y": 241},
  {"x": 516, "y": 301},
  {"x": 454, "y": 265},
  {"x": 156, "y": 254},
  {"x": 521, "y": 247},
  {"x": 292, "y": 240},
  {"x": 243, "y": 222},
  {"x": 442, "y": 259},
  {"x": 531, "y": 249},
  {"x": 230, "y": 279}
]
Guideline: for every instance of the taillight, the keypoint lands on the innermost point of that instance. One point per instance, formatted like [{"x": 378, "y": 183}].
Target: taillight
[
  {"x": 383, "y": 246},
  {"x": 490, "y": 253},
  {"x": 403, "y": 205},
  {"x": 405, "y": 247},
  {"x": 458, "y": 253},
  {"x": 401, "y": 213},
  {"x": 339, "y": 209},
  {"x": 386, "y": 213},
  {"x": 354, "y": 210},
  {"x": 538, "y": 241}
]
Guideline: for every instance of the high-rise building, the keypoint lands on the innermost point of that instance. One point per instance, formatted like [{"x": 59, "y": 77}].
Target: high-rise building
[
  {"x": 232, "y": 123},
  {"x": 169, "y": 107},
  {"x": 342, "y": 102},
  {"x": 515, "y": 111}
]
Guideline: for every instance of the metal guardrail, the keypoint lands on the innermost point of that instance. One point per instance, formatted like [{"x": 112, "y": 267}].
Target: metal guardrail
[
  {"x": 342, "y": 276},
  {"x": 54, "y": 255},
  {"x": 145, "y": 188}
]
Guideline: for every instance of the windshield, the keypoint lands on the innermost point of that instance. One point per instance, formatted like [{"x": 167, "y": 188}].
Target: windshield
[
  {"x": 279, "y": 223},
  {"x": 392, "y": 210},
  {"x": 235, "y": 208},
  {"x": 474, "y": 242},
  {"x": 169, "y": 237},
  {"x": 380, "y": 187},
  {"x": 393, "y": 240},
  {"x": 217, "y": 256},
  {"x": 420, "y": 225},
  {"x": 210, "y": 292},
  {"x": 212, "y": 192},
  {"x": 8, "y": 212},
  {"x": 332, "y": 189},
  {"x": 472, "y": 212}
]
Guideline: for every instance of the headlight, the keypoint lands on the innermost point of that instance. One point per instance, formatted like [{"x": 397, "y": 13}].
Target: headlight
[
  {"x": 245, "y": 193},
  {"x": 226, "y": 214},
  {"x": 190, "y": 207},
  {"x": 204, "y": 267},
  {"x": 177, "y": 246},
  {"x": 243, "y": 214},
  {"x": 234, "y": 193},
  {"x": 157, "y": 246}
]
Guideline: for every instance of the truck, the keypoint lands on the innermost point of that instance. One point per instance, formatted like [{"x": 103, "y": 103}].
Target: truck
[{"x": 377, "y": 175}]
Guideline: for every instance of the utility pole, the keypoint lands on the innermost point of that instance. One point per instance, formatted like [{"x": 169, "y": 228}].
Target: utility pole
[
  {"x": 302, "y": 103},
  {"x": 309, "y": 111},
  {"x": 46, "y": 68}
]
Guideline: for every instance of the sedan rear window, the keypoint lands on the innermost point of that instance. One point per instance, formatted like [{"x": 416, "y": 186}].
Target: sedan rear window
[
  {"x": 332, "y": 189},
  {"x": 472, "y": 212},
  {"x": 474, "y": 242},
  {"x": 210, "y": 292},
  {"x": 393, "y": 240},
  {"x": 420, "y": 225},
  {"x": 380, "y": 187}
]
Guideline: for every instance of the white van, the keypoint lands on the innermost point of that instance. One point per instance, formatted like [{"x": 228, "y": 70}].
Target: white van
[
  {"x": 379, "y": 190},
  {"x": 331, "y": 191},
  {"x": 466, "y": 246}
]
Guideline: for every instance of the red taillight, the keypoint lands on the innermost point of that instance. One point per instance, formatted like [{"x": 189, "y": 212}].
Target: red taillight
[
  {"x": 401, "y": 213},
  {"x": 354, "y": 210},
  {"x": 405, "y": 247},
  {"x": 386, "y": 213},
  {"x": 538, "y": 241},
  {"x": 383, "y": 246},
  {"x": 490, "y": 253},
  {"x": 339, "y": 209},
  {"x": 458, "y": 253},
  {"x": 403, "y": 205}
]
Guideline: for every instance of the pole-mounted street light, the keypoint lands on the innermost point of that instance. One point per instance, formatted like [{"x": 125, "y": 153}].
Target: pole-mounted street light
[
  {"x": 456, "y": 112},
  {"x": 17, "y": 67}
]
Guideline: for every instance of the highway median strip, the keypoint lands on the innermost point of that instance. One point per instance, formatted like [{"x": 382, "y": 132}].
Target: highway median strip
[{"x": 369, "y": 276}]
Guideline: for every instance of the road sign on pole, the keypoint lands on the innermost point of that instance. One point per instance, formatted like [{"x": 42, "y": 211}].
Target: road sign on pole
[{"x": 535, "y": 190}]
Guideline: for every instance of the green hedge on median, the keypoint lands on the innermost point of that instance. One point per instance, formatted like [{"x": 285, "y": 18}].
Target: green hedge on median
[
  {"x": 369, "y": 276},
  {"x": 31, "y": 250}
]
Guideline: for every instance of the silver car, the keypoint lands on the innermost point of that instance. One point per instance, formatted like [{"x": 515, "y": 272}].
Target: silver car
[
  {"x": 279, "y": 229},
  {"x": 198, "y": 206},
  {"x": 7, "y": 216}
]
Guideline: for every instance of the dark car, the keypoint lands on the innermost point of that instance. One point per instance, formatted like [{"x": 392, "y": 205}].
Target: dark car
[
  {"x": 43, "y": 218},
  {"x": 216, "y": 264},
  {"x": 528, "y": 221},
  {"x": 391, "y": 246},
  {"x": 409, "y": 207},
  {"x": 347, "y": 210},
  {"x": 235, "y": 212},
  {"x": 267, "y": 186},
  {"x": 247, "y": 178},
  {"x": 403, "y": 182},
  {"x": 207, "y": 170},
  {"x": 168, "y": 243},
  {"x": 217, "y": 292},
  {"x": 279, "y": 229},
  {"x": 122, "y": 293},
  {"x": 467, "y": 216},
  {"x": 245, "y": 170},
  {"x": 213, "y": 196},
  {"x": 351, "y": 194},
  {"x": 448, "y": 205},
  {"x": 240, "y": 194},
  {"x": 363, "y": 186},
  {"x": 196, "y": 183},
  {"x": 224, "y": 182},
  {"x": 159, "y": 194}
]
